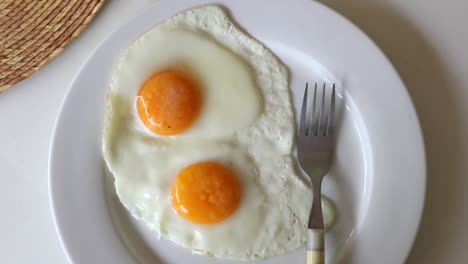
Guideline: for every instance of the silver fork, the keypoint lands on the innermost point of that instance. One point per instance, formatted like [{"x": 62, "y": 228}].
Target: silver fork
[{"x": 314, "y": 152}]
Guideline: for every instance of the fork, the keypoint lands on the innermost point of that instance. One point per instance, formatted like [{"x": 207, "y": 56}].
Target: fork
[{"x": 314, "y": 153}]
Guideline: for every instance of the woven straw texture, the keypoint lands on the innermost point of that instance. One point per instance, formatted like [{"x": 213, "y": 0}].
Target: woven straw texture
[{"x": 32, "y": 32}]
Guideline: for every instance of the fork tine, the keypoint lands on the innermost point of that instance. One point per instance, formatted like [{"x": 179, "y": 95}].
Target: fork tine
[
  {"x": 331, "y": 115},
  {"x": 303, "y": 121},
  {"x": 320, "y": 125},
  {"x": 313, "y": 119}
]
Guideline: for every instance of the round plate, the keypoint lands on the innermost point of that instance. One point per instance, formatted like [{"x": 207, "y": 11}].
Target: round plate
[{"x": 377, "y": 181}]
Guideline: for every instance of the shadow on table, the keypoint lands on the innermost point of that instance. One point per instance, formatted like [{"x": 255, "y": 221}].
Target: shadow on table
[{"x": 432, "y": 90}]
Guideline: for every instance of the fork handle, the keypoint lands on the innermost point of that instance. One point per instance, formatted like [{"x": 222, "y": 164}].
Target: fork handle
[{"x": 315, "y": 246}]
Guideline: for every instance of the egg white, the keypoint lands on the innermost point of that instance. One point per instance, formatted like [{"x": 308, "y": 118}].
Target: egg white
[
  {"x": 225, "y": 80},
  {"x": 272, "y": 216}
]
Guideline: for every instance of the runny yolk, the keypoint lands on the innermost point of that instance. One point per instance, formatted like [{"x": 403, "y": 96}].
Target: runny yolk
[
  {"x": 168, "y": 102},
  {"x": 205, "y": 192}
]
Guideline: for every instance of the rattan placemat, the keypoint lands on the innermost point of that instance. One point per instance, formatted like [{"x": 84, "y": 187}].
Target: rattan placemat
[{"x": 32, "y": 32}]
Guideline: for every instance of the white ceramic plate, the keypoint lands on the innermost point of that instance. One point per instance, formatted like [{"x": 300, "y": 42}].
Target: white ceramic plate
[{"x": 377, "y": 181}]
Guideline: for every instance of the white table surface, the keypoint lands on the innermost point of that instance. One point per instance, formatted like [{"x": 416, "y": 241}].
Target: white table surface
[{"x": 425, "y": 39}]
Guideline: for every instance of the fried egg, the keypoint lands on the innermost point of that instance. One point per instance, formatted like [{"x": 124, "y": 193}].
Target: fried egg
[
  {"x": 198, "y": 136},
  {"x": 192, "y": 86}
]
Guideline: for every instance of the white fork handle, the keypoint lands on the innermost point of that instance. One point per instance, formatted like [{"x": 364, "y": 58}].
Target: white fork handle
[{"x": 315, "y": 246}]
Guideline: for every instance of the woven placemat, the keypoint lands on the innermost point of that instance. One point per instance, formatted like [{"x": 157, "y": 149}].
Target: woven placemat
[{"x": 32, "y": 32}]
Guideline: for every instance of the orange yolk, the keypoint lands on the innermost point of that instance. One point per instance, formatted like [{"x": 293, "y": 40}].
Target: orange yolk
[
  {"x": 206, "y": 192},
  {"x": 168, "y": 102}
]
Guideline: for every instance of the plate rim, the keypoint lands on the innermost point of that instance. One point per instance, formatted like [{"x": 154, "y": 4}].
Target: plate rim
[{"x": 66, "y": 98}]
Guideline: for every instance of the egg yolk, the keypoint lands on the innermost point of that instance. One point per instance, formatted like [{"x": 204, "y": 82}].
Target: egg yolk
[
  {"x": 168, "y": 102},
  {"x": 206, "y": 192}
]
